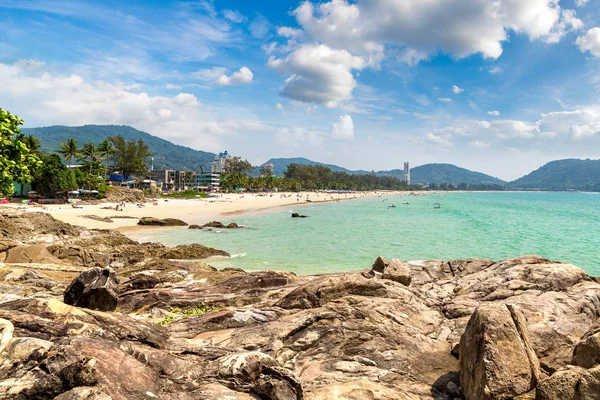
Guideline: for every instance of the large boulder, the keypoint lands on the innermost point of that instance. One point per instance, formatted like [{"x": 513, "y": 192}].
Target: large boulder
[
  {"x": 151, "y": 221},
  {"x": 571, "y": 383},
  {"x": 587, "y": 351},
  {"x": 497, "y": 360},
  {"x": 95, "y": 288},
  {"x": 30, "y": 254},
  {"x": 397, "y": 271}
]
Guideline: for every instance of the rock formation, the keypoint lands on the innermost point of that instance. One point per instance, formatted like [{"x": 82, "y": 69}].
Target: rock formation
[
  {"x": 523, "y": 328},
  {"x": 151, "y": 221},
  {"x": 95, "y": 288}
]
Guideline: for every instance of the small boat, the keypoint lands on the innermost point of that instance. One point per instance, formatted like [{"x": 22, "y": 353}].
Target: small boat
[
  {"x": 406, "y": 202},
  {"x": 392, "y": 206},
  {"x": 437, "y": 206}
]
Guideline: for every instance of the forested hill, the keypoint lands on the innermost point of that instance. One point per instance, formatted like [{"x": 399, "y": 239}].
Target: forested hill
[
  {"x": 175, "y": 156},
  {"x": 280, "y": 165},
  {"x": 440, "y": 173},
  {"x": 428, "y": 173},
  {"x": 569, "y": 174}
]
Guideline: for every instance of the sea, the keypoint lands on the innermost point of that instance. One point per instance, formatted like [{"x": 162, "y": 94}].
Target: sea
[{"x": 349, "y": 235}]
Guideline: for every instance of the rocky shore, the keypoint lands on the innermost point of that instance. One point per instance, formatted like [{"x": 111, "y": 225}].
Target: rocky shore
[{"x": 523, "y": 328}]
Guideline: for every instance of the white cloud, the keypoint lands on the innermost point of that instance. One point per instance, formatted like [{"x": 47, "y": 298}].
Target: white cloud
[
  {"x": 494, "y": 113},
  {"x": 234, "y": 16},
  {"x": 318, "y": 74},
  {"x": 343, "y": 129},
  {"x": 457, "y": 90},
  {"x": 579, "y": 124},
  {"x": 479, "y": 144},
  {"x": 590, "y": 42},
  {"x": 445, "y": 100},
  {"x": 209, "y": 75},
  {"x": 241, "y": 77},
  {"x": 455, "y": 27},
  {"x": 581, "y": 3},
  {"x": 439, "y": 140},
  {"x": 260, "y": 27},
  {"x": 496, "y": 70},
  {"x": 288, "y": 32},
  {"x": 279, "y": 106},
  {"x": 171, "y": 86},
  {"x": 68, "y": 99}
]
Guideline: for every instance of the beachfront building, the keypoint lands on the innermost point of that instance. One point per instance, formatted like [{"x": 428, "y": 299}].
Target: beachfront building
[
  {"x": 407, "y": 173},
  {"x": 204, "y": 181},
  {"x": 169, "y": 180},
  {"x": 219, "y": 164},
  {"x": 270, "y": 168}
]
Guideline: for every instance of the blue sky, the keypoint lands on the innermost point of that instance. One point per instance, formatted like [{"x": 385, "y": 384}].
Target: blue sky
[{"x": 496, "y": 86}]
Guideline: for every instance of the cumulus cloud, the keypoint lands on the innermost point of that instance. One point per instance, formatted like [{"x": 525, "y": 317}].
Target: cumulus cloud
[
  {"x": 581, "y": 3},
  {"x": 590, "y": 42},
  {"x": 279, "y": 106},
  {"x": 343, "y": 129},
  {"x": 318, "y": 74},
  {"x": 241, "y": 77},
  {"x": 209, "y": 75},
  {"x": 494, "y": 113},
  {"x": 458, "y": 28},
  {"x": 457, "y": 90},
  {"x": 288, "y": 32},
  {"x": 68, "y": 99},
  {"x": 579, "y": 124},
  {"x": 496, "y": 70},
  {"x": 445, "y": 100}
]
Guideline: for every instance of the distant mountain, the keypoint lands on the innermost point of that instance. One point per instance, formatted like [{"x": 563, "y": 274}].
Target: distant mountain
[
  {"x": 428, "y": 173},
  {"x": 439, "y": 173},
  {"x": 175, "y": 156},
  {"x": 280, "y": 165},
  {"x": 570, "y": 174}
]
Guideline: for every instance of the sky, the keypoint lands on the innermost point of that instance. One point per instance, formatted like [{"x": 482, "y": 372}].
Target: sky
[{"x": 496, "y": 86}]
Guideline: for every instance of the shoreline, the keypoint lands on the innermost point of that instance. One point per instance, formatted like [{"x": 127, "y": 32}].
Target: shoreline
[{"x": 192, "y": 211}]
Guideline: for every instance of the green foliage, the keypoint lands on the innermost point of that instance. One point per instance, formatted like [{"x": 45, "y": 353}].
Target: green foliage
[
  {"x": 319, "y": 177},
  {"x": 17, "y": 161},
  {"x": 130, "y": 157},
  {"x": 69, "y": 150},
  {"x": 569, "y": 174},
  {"x": 451, "y": 174},
  {"x": 170, "y": 155},
  {"x": 90, "y": 175},
  {"x": 202, "y": 308}
]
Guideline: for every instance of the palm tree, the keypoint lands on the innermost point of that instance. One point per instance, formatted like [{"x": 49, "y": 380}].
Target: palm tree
[
  {"x": 106, "y": 149},
  {"x": 89, "y": 151},
  {"x": 69, "y": 150},
  {"x": 33, "y": 143}
]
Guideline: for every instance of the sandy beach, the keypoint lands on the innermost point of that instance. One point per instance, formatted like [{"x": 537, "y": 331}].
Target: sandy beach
[{"x": 196, "y": 211}]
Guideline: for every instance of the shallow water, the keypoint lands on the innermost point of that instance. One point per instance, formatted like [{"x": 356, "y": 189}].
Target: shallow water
[{"x": 349, "y": 235}]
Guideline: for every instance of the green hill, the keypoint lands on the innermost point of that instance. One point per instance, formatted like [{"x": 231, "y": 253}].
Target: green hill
[
  {"x": 280, "y": 165},
  {"x": 175, "y": 156},
  {"x": 570, "y": 174},
  {"x": 439, "y": 173},
  {"x": 428, "y": 173}
]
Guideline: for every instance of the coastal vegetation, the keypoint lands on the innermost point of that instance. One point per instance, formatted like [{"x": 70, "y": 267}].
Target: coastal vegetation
[
  {"x": 570, "y": 174},
  {"x": 17, "y": 161}
]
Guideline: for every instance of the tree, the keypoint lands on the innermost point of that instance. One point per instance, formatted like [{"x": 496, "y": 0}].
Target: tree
[
  {"x": 17, "y": 161},
  {"x": 90, "y": 152},
  {"x": 106, "y": 150},
  {"x": 236, "y": 164},
  {"x": 33, "y": 143},
  {"x": 130, "y": 156},
  {"x": 69, "y": 150}
]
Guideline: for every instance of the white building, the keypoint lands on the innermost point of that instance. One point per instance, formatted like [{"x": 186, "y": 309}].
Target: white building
[
  {"x": 407, "y": 173},
  {"x": 218, "y": 165}
]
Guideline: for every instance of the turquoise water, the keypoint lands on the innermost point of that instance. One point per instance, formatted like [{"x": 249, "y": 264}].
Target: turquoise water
[{"x": 349, "y": 235}]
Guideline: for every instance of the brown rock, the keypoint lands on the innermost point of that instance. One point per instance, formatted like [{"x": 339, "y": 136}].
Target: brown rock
[
  {"x": 30, "y": 254},
  {"x": 397, "y": 271},
  {"x": 496, "y": 357},
  {"x": 95, "y": 288},
  {"x": 570, "y": 383},
  {"x": 587, "y": 351},
  {"x": 151, "y": 221}
]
